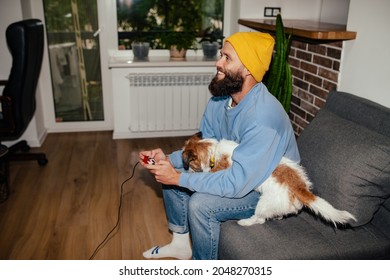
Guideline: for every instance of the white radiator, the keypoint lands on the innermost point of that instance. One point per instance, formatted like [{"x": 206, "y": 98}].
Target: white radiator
[{"x": 167, "y": 101}]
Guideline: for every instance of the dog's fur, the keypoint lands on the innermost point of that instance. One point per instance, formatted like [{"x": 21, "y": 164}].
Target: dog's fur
[{"x": 285, "y": 192}]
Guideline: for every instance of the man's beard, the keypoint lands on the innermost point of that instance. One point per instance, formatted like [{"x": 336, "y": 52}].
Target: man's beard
[{"x": 230, "y": 84}]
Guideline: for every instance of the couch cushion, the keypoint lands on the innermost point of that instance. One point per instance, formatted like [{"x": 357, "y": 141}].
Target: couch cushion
[
  {"x": 348, "y": 164},
  {"x": 360, "y": 110},
  {"x": 301, "y": 237},
  {"x": 382, "y": 218}
]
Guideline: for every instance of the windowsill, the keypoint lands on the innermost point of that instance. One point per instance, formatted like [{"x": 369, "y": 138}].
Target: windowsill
[{"x": 125, "y": 59}]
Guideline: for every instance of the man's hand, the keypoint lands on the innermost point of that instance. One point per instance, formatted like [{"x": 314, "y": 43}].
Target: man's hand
[
  {"x": 156, "y": 155},
  {"x": 164, "y": 172}
]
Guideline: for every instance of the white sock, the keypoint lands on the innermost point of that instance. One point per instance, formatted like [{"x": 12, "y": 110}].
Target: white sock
[{"x": 179, "y": 248}]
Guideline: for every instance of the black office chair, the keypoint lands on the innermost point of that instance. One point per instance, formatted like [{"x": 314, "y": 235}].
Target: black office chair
[{"x": 25, "y": 42}]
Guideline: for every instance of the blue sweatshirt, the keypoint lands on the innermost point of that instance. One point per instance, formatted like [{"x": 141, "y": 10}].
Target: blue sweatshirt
[{"x": 263, "y": 130}]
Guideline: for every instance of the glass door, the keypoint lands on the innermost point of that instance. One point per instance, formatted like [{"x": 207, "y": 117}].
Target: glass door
[{"x": 74, "y": 53}]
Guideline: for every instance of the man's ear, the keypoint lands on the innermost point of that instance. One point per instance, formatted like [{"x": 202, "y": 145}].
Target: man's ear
[{"x": 246, "y": 72}]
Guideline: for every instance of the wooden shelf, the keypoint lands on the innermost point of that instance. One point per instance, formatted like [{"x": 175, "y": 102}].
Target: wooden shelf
[{"x": 310, "y": 30}]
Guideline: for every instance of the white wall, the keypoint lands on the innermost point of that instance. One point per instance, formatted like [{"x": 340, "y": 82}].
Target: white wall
[
  {"x": 297, "y": 9},
  {"x": 334, "y": 11},
  {"x": 365, "y": 68},
  {"x": 10, "y": 11}
]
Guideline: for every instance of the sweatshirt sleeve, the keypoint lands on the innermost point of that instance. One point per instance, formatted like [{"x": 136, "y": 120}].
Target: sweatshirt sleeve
[
  {"x": 176, "y": 159},
  {"x": 254, "y": 159}
]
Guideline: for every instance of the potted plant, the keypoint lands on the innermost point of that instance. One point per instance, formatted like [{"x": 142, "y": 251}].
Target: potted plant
[
  {"x": 140, "y": 49},
  {"x": 140, "y": 46},
  {"x": 136, "y": 23},
  {"x": 211, "y": 41},
  {"x": 279, "y": 78},
  {"x": 178, "y": 43},
  {"x": 182, "y": 24},
  {"x": 212, "y": 36}
]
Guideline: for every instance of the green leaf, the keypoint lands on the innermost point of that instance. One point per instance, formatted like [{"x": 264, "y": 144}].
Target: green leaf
[{"x": 279, "y": 81}]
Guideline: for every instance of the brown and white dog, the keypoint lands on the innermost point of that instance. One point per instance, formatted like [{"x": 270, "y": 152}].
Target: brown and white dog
[{"x": 285, "y": 192}]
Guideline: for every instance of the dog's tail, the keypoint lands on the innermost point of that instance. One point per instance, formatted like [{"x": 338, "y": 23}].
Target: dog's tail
[
  {"x": 321, "y": 207},
  {"x": 299, "y": 185}
]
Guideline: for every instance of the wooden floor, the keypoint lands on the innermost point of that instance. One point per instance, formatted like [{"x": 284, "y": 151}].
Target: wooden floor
[{"x": 64, "y": 210}]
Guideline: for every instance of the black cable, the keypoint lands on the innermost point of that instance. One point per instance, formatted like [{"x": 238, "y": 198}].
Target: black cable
[{"x": 101, "y": 245}]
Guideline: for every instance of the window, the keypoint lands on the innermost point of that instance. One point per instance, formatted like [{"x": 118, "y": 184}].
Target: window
[
  {"x": 74, "y": 55},
  {"x": 155, "y": 21}
]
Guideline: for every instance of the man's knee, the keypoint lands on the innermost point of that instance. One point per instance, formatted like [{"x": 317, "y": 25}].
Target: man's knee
[{"x": 198, "y": 203}]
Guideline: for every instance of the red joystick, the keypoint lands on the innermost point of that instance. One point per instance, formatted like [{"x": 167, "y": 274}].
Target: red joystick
[{"x": 149, "y": 160}]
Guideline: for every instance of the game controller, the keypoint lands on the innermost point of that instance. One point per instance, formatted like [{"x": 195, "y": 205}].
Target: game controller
[{"x": 149, "y": 160}]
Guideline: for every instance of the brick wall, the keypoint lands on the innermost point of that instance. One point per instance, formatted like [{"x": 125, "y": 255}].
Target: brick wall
[{"x": 315, "y": 69}]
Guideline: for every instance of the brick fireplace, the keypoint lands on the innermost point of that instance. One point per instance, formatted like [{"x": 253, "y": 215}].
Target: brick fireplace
[{"x": 315, "y": 69}]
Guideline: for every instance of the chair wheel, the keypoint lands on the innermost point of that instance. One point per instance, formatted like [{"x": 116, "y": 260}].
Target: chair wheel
[
  {"x": 25, "y": 148},
  {"x": 42, "y": 161}
]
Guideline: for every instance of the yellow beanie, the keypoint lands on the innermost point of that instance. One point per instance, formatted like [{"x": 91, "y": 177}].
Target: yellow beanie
[{"x": 254, "y": 50}]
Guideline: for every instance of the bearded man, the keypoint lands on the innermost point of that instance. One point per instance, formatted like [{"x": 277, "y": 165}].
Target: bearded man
[{"x": 242, "y": 110}]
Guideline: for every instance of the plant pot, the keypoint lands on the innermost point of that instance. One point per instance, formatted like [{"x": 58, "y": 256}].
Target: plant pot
[
  {"x": 210, "y": 50},
  {"x": 176, "y": 54},
  {"x": 140, "y": 49}
]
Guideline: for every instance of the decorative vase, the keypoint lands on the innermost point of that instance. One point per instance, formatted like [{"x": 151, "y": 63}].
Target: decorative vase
[
  {"x": 210, "y": 50},
  {"x": 175, "y": 54},
  {"x": 140, "y": 49}
]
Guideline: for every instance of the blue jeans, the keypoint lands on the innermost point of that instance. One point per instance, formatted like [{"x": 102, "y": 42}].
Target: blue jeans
[{"x": 201, "y": 214}]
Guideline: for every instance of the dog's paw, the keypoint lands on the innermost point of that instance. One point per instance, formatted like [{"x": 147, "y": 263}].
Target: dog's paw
[
  {"x": 245, "y": 222},
  {"x": 251, "y": 221}
]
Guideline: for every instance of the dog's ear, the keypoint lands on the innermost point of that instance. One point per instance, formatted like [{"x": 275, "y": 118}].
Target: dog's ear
[
  {"x": 196, "y": 136},
  {"x": 187, "y": 157}
]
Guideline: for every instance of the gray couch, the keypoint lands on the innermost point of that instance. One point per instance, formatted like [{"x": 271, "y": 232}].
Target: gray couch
[{"x": 346, "y": 152}]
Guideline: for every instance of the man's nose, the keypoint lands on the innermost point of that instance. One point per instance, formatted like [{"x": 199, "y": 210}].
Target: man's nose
[{"x": 219, "y": 63}]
